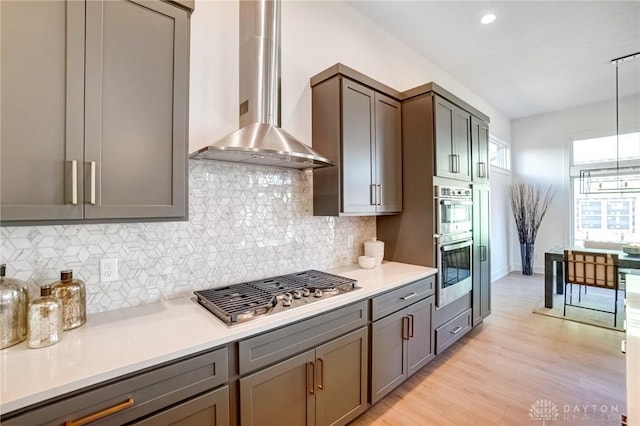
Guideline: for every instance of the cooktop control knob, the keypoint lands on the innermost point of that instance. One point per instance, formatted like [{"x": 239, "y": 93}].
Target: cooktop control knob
[
  {"x": 318, "y": 293},
  {"x": 286, "y": 300},
  {"x": 306, "y": 292},
  {"x": 297, "y": 294}
]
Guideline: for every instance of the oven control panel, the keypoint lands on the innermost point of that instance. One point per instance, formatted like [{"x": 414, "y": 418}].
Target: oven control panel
[{"x": 452, "y": 192}]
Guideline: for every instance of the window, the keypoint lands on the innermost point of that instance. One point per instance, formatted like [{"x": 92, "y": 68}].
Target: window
[
  {"x": 499, "y": 153},
  {"x": 608, "y": 216}
]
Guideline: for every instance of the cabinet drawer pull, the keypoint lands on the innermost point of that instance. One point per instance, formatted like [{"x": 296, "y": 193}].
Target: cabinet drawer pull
[
  {"x": 93, "y": 183},
  {"x": 100, "y": 414},
  {"x": 409, "y": 296},
  {"x": 483, "y": 253},
  {"x": 457, "y": 163},
  {"x": 405, "y": 328},
  {"x": 311, "y": 377},
  {"x": 452, "y": 163},
  {"x": 379, "y": 195},
  {"x": 482, "y": 169},
  {"x": 410, "y": 325},
  {"x": 74, "y": 182},
  {"x": 456, "y": 330},
  {"x": 321, "y": 368},
  {"x": 372, "y": 194}
]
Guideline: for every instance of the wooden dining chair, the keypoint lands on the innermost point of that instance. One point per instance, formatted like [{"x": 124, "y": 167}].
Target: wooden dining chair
[{"x": 591, "y": 269}]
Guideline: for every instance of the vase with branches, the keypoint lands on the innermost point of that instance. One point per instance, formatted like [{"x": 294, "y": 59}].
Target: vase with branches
[{"x": 529, "y": 204}]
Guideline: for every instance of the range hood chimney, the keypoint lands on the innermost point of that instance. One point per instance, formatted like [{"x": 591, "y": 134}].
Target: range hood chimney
[{"x": 260, "y": 140}]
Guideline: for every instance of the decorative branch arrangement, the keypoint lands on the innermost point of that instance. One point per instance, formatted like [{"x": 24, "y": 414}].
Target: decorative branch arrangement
[{"x": 529, "y": 204}]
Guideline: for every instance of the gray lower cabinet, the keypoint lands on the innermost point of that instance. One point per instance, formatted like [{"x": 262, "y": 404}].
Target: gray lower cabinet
[
  {"x": 481, "y": 290},
  {"x": 359, "y": 129},
  {"x": 452, "y": 331},
  {"x": 326, "y": 385},
  {"x": 184, "y": 392},
  {"x": 211, "y": 409},
  {"x": 401, "y": 344},
  {"x": 94, "y": 110}
]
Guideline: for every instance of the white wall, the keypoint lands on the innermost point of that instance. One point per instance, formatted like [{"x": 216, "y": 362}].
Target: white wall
[
  {"x": 501, "y": 227},
  {"x": 315, "y": 35},
  {"x": 540, "y": 147}
]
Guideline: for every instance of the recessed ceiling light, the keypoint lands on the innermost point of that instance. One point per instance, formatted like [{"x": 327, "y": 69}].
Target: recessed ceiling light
[{"x": 488, "y": 18}]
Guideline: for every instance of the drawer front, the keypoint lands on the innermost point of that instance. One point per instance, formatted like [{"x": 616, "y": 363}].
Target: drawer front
[
  {"x": 273, "y": 346},
  {"x": 135, "y": 396},
  {"x": 451, "y": 331},
  {"x": 402, "y": 297}
]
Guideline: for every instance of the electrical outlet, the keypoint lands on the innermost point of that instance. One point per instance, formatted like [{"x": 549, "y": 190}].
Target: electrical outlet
[
  {"x": 108, "y": 270},
  {"x": 349, "y": 241}
]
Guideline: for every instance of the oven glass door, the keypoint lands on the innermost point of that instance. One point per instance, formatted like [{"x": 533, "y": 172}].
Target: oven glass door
[
  {"x": 454, "y": 216},
  {"x": 455, "y": 271}
]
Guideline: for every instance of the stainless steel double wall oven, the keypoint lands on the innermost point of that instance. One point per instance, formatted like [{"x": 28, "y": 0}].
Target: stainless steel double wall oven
[{"x": 454, "y": 242}]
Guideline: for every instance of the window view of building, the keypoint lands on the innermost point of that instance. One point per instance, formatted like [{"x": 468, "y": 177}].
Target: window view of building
[{"x": 604, "y": 173}]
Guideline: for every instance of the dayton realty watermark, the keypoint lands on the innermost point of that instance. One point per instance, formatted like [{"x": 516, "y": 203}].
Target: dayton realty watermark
[{"x": 546, "y": 411}]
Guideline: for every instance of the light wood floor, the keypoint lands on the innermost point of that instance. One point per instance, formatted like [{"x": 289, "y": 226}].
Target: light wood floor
[{"x": 516, "y": 358}]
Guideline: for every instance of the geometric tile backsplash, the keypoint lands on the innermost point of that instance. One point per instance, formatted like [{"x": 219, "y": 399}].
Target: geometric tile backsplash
[{"x": 245, "y": 222}]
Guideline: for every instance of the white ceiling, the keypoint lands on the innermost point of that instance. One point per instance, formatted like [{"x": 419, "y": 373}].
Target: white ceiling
[{"x": 537, "y": 57}]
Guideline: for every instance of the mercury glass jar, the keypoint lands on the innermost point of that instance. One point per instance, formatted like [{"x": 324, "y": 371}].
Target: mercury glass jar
[
  {"x": 73, "y": 294},
  {"x": 13, "y": 310},
  {"x": 45, "y": 319}
]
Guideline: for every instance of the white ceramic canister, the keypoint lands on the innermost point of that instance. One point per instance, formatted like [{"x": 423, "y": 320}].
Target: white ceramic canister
[{"x": 374, "y": 248}]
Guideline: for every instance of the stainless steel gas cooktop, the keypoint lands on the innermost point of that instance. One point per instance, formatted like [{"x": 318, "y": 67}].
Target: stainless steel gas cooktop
[{"x": 245, "y": 301}]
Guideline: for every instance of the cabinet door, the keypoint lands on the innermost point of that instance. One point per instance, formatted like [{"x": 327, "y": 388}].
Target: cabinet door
[
  {"x": 280, "y": 395},
  {"x": 444, "y": 156},
  {"x": 462, "y": 144},
  {"x": 453, "y": 141},
  {"x": 341, "y": 378},
  {"x": 358, "y": 152},
  {"x": 420, "y": 343},
  {"x": 388, "y": 366},
  {"x": 388, "y": 148},
  {"x": 42, "y": 62},
  {"x": 479, "y": 150},
  {"x": 211, "y": 409},
  {"x": 136, "y": 103},
  {"x": 481, "y": 255}
]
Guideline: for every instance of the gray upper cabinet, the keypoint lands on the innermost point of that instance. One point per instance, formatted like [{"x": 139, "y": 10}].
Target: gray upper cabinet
[
  {"x": 105, "y": 134},
  {"x": 453, "y": 141},
  {"x": 42, "y": 108},
  {"x": 359, "y": 129},
  {"x": 479, "y": 150}
]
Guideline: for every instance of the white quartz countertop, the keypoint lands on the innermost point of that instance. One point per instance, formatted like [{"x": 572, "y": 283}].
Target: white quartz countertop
[{"x": 119, "y": 342}]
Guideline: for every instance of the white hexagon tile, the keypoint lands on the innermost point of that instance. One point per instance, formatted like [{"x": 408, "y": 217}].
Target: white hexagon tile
[{"x": 245, "y": 223}]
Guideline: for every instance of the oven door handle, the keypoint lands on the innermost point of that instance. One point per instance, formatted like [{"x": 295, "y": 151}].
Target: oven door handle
[
  {"x": 456, "y": 202},
  {"x": 450, "y": 247}
]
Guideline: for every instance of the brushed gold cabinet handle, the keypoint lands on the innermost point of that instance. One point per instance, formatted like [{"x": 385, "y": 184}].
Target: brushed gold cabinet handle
[
  {"x": 101, "y": 414},
  {"x": 321, "y": 368},
  {"x": 74, "y": 182},
  {"x": 410, "y": 325},
  {"x": 405, "y": 328},
  {"x": 93, "y": 183},
  {"x": 311, "y": 378}
]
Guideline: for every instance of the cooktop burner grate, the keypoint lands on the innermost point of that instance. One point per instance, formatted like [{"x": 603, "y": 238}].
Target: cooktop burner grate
[{"x": 240, "y": 302}]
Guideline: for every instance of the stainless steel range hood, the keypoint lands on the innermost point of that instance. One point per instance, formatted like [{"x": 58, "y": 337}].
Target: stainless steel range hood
[{"x": 260, "y": 140}]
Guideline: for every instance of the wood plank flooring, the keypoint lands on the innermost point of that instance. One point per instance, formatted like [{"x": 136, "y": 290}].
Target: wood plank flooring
[{"x": 515, "y": 360}]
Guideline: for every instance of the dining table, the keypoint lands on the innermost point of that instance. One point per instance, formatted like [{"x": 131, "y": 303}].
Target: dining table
[{"x": 553, "y": 261}]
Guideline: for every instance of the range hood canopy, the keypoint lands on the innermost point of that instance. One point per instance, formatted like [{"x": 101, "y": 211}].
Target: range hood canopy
[{"x": 260, "y": 140}]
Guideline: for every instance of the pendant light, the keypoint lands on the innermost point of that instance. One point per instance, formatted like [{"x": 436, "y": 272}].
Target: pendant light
[{"x": 621, "y": 178}]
